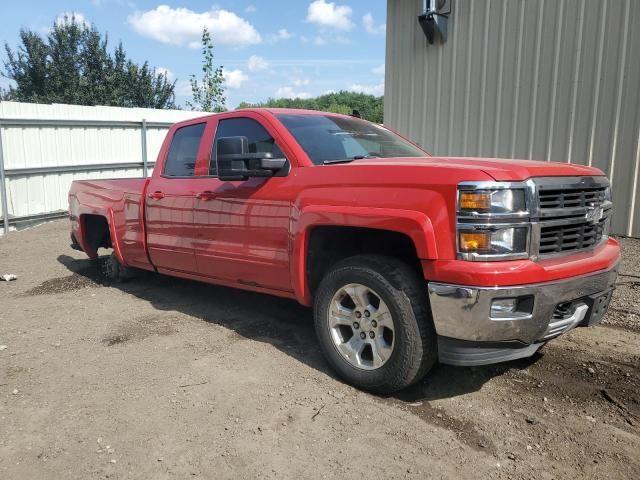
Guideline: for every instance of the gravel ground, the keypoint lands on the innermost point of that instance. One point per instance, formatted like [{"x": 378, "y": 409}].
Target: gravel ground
[
  {"x": 163, "y": 378},
  {"x": 624, "y": 312}
]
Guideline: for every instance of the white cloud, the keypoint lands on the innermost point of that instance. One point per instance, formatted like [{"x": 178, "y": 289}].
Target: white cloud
[
  {"x": 376, "y": 90},
  {"x": 256, "y": 63},
  {"x": 289, "y": 92},
  {"x": 251, "y": 9},
  {"x": 181, "y": 26},
  {"x": 379, "y": 70},
  {"x": 234, "y": 78},
  {"x": 370, "y": 25},
  {"x": 328, "y": 14},
  {"x": 282, "y": 34},
  {"x": 183, "y": 88},
  {"x": 66, "y": 17},
  {"x": 300, "y": 82},
  {"x": 165, "y": 71}
]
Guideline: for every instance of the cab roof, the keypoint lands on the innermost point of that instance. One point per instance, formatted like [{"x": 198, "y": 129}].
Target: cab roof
[
  {"x": 288, "y": 111},
  {"x": 300, "y": 111},
  {"x": 273, "y": 111}
]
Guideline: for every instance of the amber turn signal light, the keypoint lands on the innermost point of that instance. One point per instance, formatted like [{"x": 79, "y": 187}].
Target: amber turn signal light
[
  {"x": 471, "y": 242},
  {"x": 475, "y": 200}
]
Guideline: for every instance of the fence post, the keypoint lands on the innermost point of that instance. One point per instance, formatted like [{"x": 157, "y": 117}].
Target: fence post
[
  {"x": 144, "y": 148},
  {"x": 3, "y": 189}
]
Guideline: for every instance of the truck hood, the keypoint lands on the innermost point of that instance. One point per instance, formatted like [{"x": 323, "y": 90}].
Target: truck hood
[{"x": 500, "y": 169}]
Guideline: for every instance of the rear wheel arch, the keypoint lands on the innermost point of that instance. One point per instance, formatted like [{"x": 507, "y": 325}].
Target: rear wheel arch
[
  {"x": 95, "y": 233},
  {"x": 98, "y": 231}
]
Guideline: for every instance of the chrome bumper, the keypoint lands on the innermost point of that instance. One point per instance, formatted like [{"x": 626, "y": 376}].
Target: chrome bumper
[{"x": 463, "y": 313}]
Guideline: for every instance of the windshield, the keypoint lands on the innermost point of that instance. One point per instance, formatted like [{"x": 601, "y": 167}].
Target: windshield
[{"x": 329, "y": 138}]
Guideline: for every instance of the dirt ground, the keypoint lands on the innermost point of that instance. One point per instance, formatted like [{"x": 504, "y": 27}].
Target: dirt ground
[{"x": 161, "y": 378}]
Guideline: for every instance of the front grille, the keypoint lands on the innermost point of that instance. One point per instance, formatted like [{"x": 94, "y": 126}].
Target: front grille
[
  {"x": 568, "y": 214},
  {"x": 571, "y": 198},
  {"x": 566, "y": 238}
]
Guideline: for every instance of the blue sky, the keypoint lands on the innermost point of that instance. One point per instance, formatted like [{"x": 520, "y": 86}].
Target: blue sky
[{"x": 274, "y": 48}]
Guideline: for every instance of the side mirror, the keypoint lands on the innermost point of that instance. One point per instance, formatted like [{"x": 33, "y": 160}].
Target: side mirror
[{"x": 236, "y": 163}]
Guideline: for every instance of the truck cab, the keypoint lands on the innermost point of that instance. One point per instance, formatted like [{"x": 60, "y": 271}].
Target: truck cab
[{"x": 406, "y": 258}]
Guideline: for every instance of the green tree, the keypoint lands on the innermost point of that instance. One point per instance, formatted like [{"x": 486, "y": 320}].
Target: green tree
[
  {"x": 370, "y": 107},
  {"x": 208, "y": 94},
  {"x": 72, "y": 64}
]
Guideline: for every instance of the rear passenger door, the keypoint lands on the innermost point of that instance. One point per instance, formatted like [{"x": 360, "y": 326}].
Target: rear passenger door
[{"x": 169, "y": 203}]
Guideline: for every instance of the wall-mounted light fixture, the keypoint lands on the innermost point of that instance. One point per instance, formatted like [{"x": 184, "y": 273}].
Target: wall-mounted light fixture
[{"x": 434, "y": 18}]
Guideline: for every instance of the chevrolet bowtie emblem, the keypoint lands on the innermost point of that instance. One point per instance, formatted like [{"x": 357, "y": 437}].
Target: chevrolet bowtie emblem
[{"x": 594, "y": 214}]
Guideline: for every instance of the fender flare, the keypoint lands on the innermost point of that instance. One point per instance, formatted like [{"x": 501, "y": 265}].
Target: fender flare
[
  {"x": 416, "y": 225},
  {"x": 115, "y": 242}
]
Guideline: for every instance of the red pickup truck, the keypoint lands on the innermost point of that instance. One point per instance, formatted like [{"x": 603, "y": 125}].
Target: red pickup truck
[{"x": 406, "y": 258}]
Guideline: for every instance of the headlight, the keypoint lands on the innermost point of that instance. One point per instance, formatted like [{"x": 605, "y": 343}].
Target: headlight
[
  {"x": 500, "y": 201},
  {"x": 510, "y": 241},
  {"x": 493, "y": 221}
]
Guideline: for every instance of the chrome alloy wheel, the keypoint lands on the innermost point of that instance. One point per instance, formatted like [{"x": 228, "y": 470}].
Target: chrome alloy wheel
[{"x": 361, "y": 326}]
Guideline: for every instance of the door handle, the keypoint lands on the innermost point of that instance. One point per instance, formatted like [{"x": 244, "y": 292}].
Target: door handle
[
  {"x": 206, "y": 195},
  {"x": 156, "y": 195}
]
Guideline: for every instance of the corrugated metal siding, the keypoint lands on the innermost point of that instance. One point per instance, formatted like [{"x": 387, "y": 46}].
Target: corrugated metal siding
[
  {"x": 546, "y": 80},
  {"x": 43, "y": 146}
]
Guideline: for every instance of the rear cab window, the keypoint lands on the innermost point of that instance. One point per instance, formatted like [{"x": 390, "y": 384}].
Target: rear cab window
[{"x": 183, "y": 152}]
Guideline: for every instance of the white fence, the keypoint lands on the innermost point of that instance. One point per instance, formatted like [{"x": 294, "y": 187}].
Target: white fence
[{"x": 43, "y": 148}]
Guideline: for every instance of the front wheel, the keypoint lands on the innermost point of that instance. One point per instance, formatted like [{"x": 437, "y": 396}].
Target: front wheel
[{"x": 373, "y": 323}]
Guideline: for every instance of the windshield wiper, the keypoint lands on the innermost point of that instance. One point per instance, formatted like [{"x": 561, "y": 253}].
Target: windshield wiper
[
  {"x": 349, "y": 160},
  {"x": 339, "y": 160}
]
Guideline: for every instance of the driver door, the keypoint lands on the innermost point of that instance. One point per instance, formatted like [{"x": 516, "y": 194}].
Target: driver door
[{"x": 242, "y": 227}]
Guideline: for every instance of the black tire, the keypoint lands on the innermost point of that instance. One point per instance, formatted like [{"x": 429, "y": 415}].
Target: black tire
[
  {"x": 404, "y": 292},
  {"x": 113, "y": 270}
]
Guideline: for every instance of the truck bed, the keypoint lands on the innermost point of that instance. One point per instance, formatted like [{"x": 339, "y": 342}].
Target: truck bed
[
  {"x": 121, "y": 185},
  {"x": 121, "y": 201}
]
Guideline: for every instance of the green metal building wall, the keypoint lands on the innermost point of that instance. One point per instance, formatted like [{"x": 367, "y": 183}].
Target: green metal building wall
[{"x": 553, "y": 80}]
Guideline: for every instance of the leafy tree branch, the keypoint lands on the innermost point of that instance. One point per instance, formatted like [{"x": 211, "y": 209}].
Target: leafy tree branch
[
  {"x": 72, "y": 64},
  {"x": 208, "y": 93}
]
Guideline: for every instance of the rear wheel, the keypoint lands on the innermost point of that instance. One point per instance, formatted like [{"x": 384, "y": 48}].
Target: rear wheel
[
  {"x": 373, "y": 324},
  {"x": 113, "y": 270}
]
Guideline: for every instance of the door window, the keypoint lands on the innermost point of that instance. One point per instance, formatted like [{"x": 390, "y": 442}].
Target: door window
[
  {"x": 258, "y": 139},
  {"x": 183, "y": 152}
]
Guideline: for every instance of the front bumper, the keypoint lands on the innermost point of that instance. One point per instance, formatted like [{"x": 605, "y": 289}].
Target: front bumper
[{"x": 468, "y": 335}]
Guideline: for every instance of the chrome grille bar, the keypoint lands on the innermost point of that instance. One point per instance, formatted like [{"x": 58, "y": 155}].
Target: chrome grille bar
[{"x": 571, "y": 215}]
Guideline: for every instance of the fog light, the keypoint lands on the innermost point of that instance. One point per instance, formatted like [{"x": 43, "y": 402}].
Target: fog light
[
  {"x": 517, "y": 308},
  {"x": 504, "y": 307}
]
